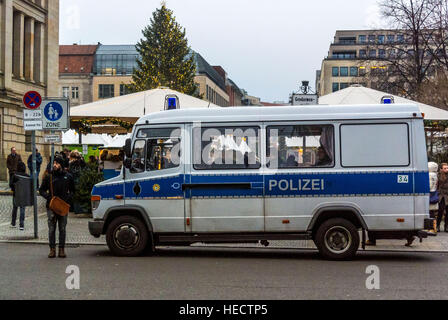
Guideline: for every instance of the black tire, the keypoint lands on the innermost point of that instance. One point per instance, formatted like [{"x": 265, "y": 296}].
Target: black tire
[
  {"x": 127, "y": 236},
  {"x": 337, "y": 239}
]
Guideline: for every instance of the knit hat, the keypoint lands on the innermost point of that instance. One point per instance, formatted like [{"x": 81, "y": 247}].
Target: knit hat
[{"x": 59, "y": 160}]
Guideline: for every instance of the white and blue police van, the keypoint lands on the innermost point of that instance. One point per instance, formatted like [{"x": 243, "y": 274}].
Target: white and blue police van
[{"x": 243, "y": 175}]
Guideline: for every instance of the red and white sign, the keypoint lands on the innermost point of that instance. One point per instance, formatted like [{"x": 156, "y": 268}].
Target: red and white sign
[{"x": 32, "y": 100}]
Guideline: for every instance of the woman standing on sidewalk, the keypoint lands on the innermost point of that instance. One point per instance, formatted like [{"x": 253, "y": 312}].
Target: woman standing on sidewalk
[{"x": 61, "y": 183}]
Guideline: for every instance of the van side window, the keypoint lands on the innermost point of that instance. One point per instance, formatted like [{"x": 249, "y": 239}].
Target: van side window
[
  {"x": 226, "y": 148},
  {"x": 163, "y": 154},
  {"x": 300, "y": 146},
  {"x": 138, "y": 157},
  {"x": 389, "y": 148}
]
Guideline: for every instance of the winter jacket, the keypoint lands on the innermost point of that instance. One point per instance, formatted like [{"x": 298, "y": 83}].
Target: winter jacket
[
  {"x": 12, "y": 162},
  {"x": 443, "y": 186},
  {"x": 63, "y": 186},
  {"x": 38, "y": 162}
]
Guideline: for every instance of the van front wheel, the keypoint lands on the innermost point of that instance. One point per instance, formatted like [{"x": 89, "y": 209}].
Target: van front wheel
[
  {"x": 127, "y": 236},
  {"x": 337, "y": 239}
]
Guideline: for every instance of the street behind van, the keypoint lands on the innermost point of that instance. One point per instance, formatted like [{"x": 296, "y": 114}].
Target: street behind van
[{"x": 324, "y": 173}]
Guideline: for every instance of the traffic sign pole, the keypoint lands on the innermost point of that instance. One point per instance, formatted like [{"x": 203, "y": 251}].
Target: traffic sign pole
[
  {"x": 33, "y": 145},
  {"x": 32, "y": 101}
]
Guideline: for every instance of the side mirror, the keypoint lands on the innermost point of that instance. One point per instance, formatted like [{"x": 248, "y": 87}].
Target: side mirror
[
  {"x": 128, "y": 148},
  {"x": 127, "y": 163}
]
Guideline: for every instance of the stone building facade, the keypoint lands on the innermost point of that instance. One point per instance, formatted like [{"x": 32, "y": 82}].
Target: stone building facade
[
  {"x": 29, "y": 54},
  {"x": 76, "y": 73}
]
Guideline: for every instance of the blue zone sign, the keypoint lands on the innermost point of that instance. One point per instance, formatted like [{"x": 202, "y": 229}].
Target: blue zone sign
[
  {"x": 56, "y": 114},
  {"x": 53, "y": 111}
]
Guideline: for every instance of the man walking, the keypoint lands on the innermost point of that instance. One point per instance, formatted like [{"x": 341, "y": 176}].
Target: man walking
[
  {"x": 38, "y": 164},
  {"x": 62, "y": 185},
  {"x": 12, "y": 162},
  {"x": 443, "y": 196}
]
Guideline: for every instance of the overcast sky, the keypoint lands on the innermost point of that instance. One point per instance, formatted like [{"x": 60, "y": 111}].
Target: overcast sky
[{"x": 266, "y": 46}]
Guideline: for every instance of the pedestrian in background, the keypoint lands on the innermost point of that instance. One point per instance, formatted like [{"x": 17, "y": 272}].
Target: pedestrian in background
[
  {"x": 38, "y": 164},
  {"x": 443, "y": 195},
  {"x": 66, "y": 157},
  {"x": 21, "y": 171},
  {"x": 75, "y": 168},
  {"x": 434, "y": 194},
  {"x": 60, "y": 184},
  {"x": 12, "y": 162}
]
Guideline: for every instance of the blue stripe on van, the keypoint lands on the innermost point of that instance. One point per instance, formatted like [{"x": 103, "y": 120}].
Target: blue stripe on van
[
  {"x": 279, "y": 185},
  {"x": 346, "y": 184}
]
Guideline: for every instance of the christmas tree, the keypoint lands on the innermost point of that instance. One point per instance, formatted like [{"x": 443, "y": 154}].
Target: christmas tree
[{"x": 165, "y": 60}]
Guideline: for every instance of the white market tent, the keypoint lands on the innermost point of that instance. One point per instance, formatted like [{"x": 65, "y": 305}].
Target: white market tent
[
  {"x": 136, "y": 105},
  {"x": 71, "y": 137},
  {"x": 359, "y": 95}
]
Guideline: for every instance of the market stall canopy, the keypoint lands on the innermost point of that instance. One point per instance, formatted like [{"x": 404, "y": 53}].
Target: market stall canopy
[
  {"x": 359, "y": 95},
  {"x": 71, "y": 137},
  {"x": 135, "y": 105}
]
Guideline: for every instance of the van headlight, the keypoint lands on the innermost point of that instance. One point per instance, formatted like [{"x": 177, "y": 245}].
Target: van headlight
[{"x": 95, "y": 200}]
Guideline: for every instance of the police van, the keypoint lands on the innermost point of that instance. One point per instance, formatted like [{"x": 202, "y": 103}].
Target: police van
[{"x": 243, "y": 175}]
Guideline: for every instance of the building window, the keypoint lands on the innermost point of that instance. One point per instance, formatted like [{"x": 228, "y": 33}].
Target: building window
[
  {"x": 335, "y": 86},
  {"x": 362, "y": 53},
  {"x": 362, "y": 39},
  {"x": 400, "y": 38},
  {"x": 344, "y": 72},
  {"x": 372, "y": 38},
  {"x": 391, "y": 38},
  {"x": 382, "y": 53},
  {"x": 344, "y": 55},
  {"x": 335, "y": 71},
  {"x": 75, "y": 93},
  {"x": 344, "y": 85},
  {"x": 123, "y": 90},
  {"x": 372, "y": 54},
  {"x": 392, "y": 53},
  {"x": 353, "y": 71},
  {"x": 362, "y": 71},
  {"x": 381, "y": 39},
  {"x": 65, "y": 92},
  {"x": 106, "y": 91}
]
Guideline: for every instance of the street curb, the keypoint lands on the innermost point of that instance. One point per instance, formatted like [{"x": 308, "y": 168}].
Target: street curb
[
  {"x": 210, "y": 247},
  {"x": 46, "y": 243}
]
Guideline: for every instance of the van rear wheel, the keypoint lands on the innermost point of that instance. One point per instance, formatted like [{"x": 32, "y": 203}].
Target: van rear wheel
[
  {"x": 337, "y": 239},
  {"x": 127, "y": 236}
]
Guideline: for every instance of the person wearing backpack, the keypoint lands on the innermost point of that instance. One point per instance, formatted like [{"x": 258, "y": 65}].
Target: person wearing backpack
[{"x": 21, "y": 171}]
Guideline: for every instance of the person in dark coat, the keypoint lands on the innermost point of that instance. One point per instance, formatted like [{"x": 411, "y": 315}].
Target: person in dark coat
[
  {"x": 63, "y": 187},
  {"x": 443, "y": 196},
  {"x": 38, "y": 164},
  {"x": 12, "y": 162},
  {"x": 21, "y": 171}
]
